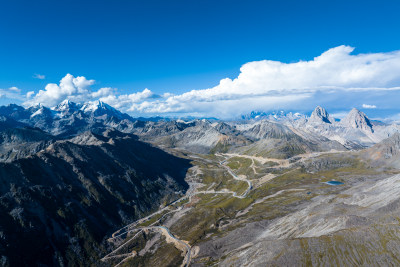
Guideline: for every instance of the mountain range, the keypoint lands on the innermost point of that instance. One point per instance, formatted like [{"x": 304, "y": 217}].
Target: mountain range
[
  {"x": 354, "y": 131},
  {"x": 72, "y": 173}
]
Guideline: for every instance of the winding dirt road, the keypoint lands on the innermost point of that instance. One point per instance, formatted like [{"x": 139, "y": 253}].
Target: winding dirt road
[{"x": 164, "y": 230}]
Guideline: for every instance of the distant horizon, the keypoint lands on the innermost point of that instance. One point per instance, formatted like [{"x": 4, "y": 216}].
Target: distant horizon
[
  {"x": 203, "y": 58},
  {"x": 199, "y": 132},
  {"x": 336, "y": 116}
]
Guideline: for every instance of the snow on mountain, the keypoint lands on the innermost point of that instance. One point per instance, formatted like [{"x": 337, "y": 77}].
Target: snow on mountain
[
  {"x": 356, "y": 130},
  {"x": 99, "y": 108},
  {"x": 273, "y": 116},
  {"x": 67, "y": 106},
  {"x": 94, "y": 106},
  {"x": 41, "y": 111}
]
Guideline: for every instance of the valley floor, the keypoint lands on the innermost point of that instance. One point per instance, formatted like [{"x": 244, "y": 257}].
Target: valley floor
[{"x": 245, "y": 210}]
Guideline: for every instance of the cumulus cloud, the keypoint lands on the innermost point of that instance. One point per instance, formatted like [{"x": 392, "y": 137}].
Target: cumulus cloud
[
  {"x": 103, "y": 92},
  {"x": 368, "y": 106},
  {"x": 30, "y": 94},
  {"x": 127, "y": 101},
  {"x": 12, "y": 93},
  {"x": 337, "y": 78},
  {"x": 14, "y": 89},
  {"x": 39, "y": 76},
  {"x": 336, "y": 68},
  {"x": 78, "y": 89},
  {"x": 334, "y": 72},
  {"x": 70, "y": 87}
]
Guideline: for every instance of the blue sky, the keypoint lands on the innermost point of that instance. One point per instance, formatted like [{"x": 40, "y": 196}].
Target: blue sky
[{"x": 176, "y": 46}]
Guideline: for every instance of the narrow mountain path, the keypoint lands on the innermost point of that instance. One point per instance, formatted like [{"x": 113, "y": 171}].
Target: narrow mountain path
[
  {"x": 180, "y": 244},
  {"x": 167, "y": 233},
  {"x": 253, "y": 166},
  {"x": 250, "y": 185},
  {"x": 111, "y": 254},
  {"x": 282, "y": 162},
  {"x": 243, "y": 212}
]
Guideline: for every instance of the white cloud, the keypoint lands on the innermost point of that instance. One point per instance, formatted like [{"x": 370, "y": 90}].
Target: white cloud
[
  {"x": 12, "y": 93},
  {"x": 219, "y": 108},
  {"x": 14, "y": 89},
  {"x": 30, "y": 94},
  {"x": 80, "y": 82},
  {"x": 126, "y": 101},
  {"x": 336, "y": 68},
  {"x": 103, "y": 92},
  {"x": 166, "y": 95},
  {"x": 368, "y": 106},
  {"x": 333, "y": 72},
  {"x": 78, "y": 89},
  {"x": 39, "y": 76},
  {"x": 336, "y": 78},
  {"x": 339, "y": 115}
]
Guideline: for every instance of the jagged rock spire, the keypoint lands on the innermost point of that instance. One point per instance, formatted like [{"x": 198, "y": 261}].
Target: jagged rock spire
[
  {"x": 320, "y": 115},
  {"x": 358, "y": 120}
]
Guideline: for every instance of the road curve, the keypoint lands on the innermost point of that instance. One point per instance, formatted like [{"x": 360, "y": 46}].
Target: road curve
[
  {"x": 250, "y": 185},
  {"x": 132, "y": 226},
  {"x": 188, "y": 248}
]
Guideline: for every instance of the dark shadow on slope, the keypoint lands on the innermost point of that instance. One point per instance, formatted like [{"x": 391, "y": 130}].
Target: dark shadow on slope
[{"x": 58, "y": 206}]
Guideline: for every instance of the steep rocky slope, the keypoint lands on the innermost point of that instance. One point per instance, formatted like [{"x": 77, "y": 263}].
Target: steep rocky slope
[
  {"x": 355, "y": 131},
  {"x": 73, "y": 174},
  {"x": 385, "y": 153},
  {"x": 302, "y": 221},
  {"x": 320, "y": 115},
  {"x": 18, "y": 143},
  {"x": 276, "y": 140},
  {"x": 67, "y": 118},
  {"x": 57, "y": 205},
  {"x": 357, "y": 120}
]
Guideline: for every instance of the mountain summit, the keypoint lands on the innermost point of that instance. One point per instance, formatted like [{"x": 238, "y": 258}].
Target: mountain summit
[
  {"x": 320, "y": 115},
  {"x": 67, "y": 106},
  {"x": 99, "y": 108},
  {"x": 357, "y": 120}
]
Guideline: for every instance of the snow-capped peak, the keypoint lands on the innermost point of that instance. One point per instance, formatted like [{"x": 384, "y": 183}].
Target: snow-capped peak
[
  {"x": 93, "y": 106},
  {"x": 66, "y": 105},
  {"x": 41, "y": 110},
  {"x": 37, "y": 112},
  {"x": 99, "y": 108}
]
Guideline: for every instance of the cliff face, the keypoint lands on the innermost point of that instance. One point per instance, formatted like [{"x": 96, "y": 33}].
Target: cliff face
[
  {"x": 57, "y": 205},
  {"x": 357, "y": 120},
  {"x": 385, "y": 153},
  {"x": 320, "y": 115}
]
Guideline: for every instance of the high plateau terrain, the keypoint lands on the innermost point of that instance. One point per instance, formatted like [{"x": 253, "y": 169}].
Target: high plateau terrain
[{"x": 87, "y": 185}]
